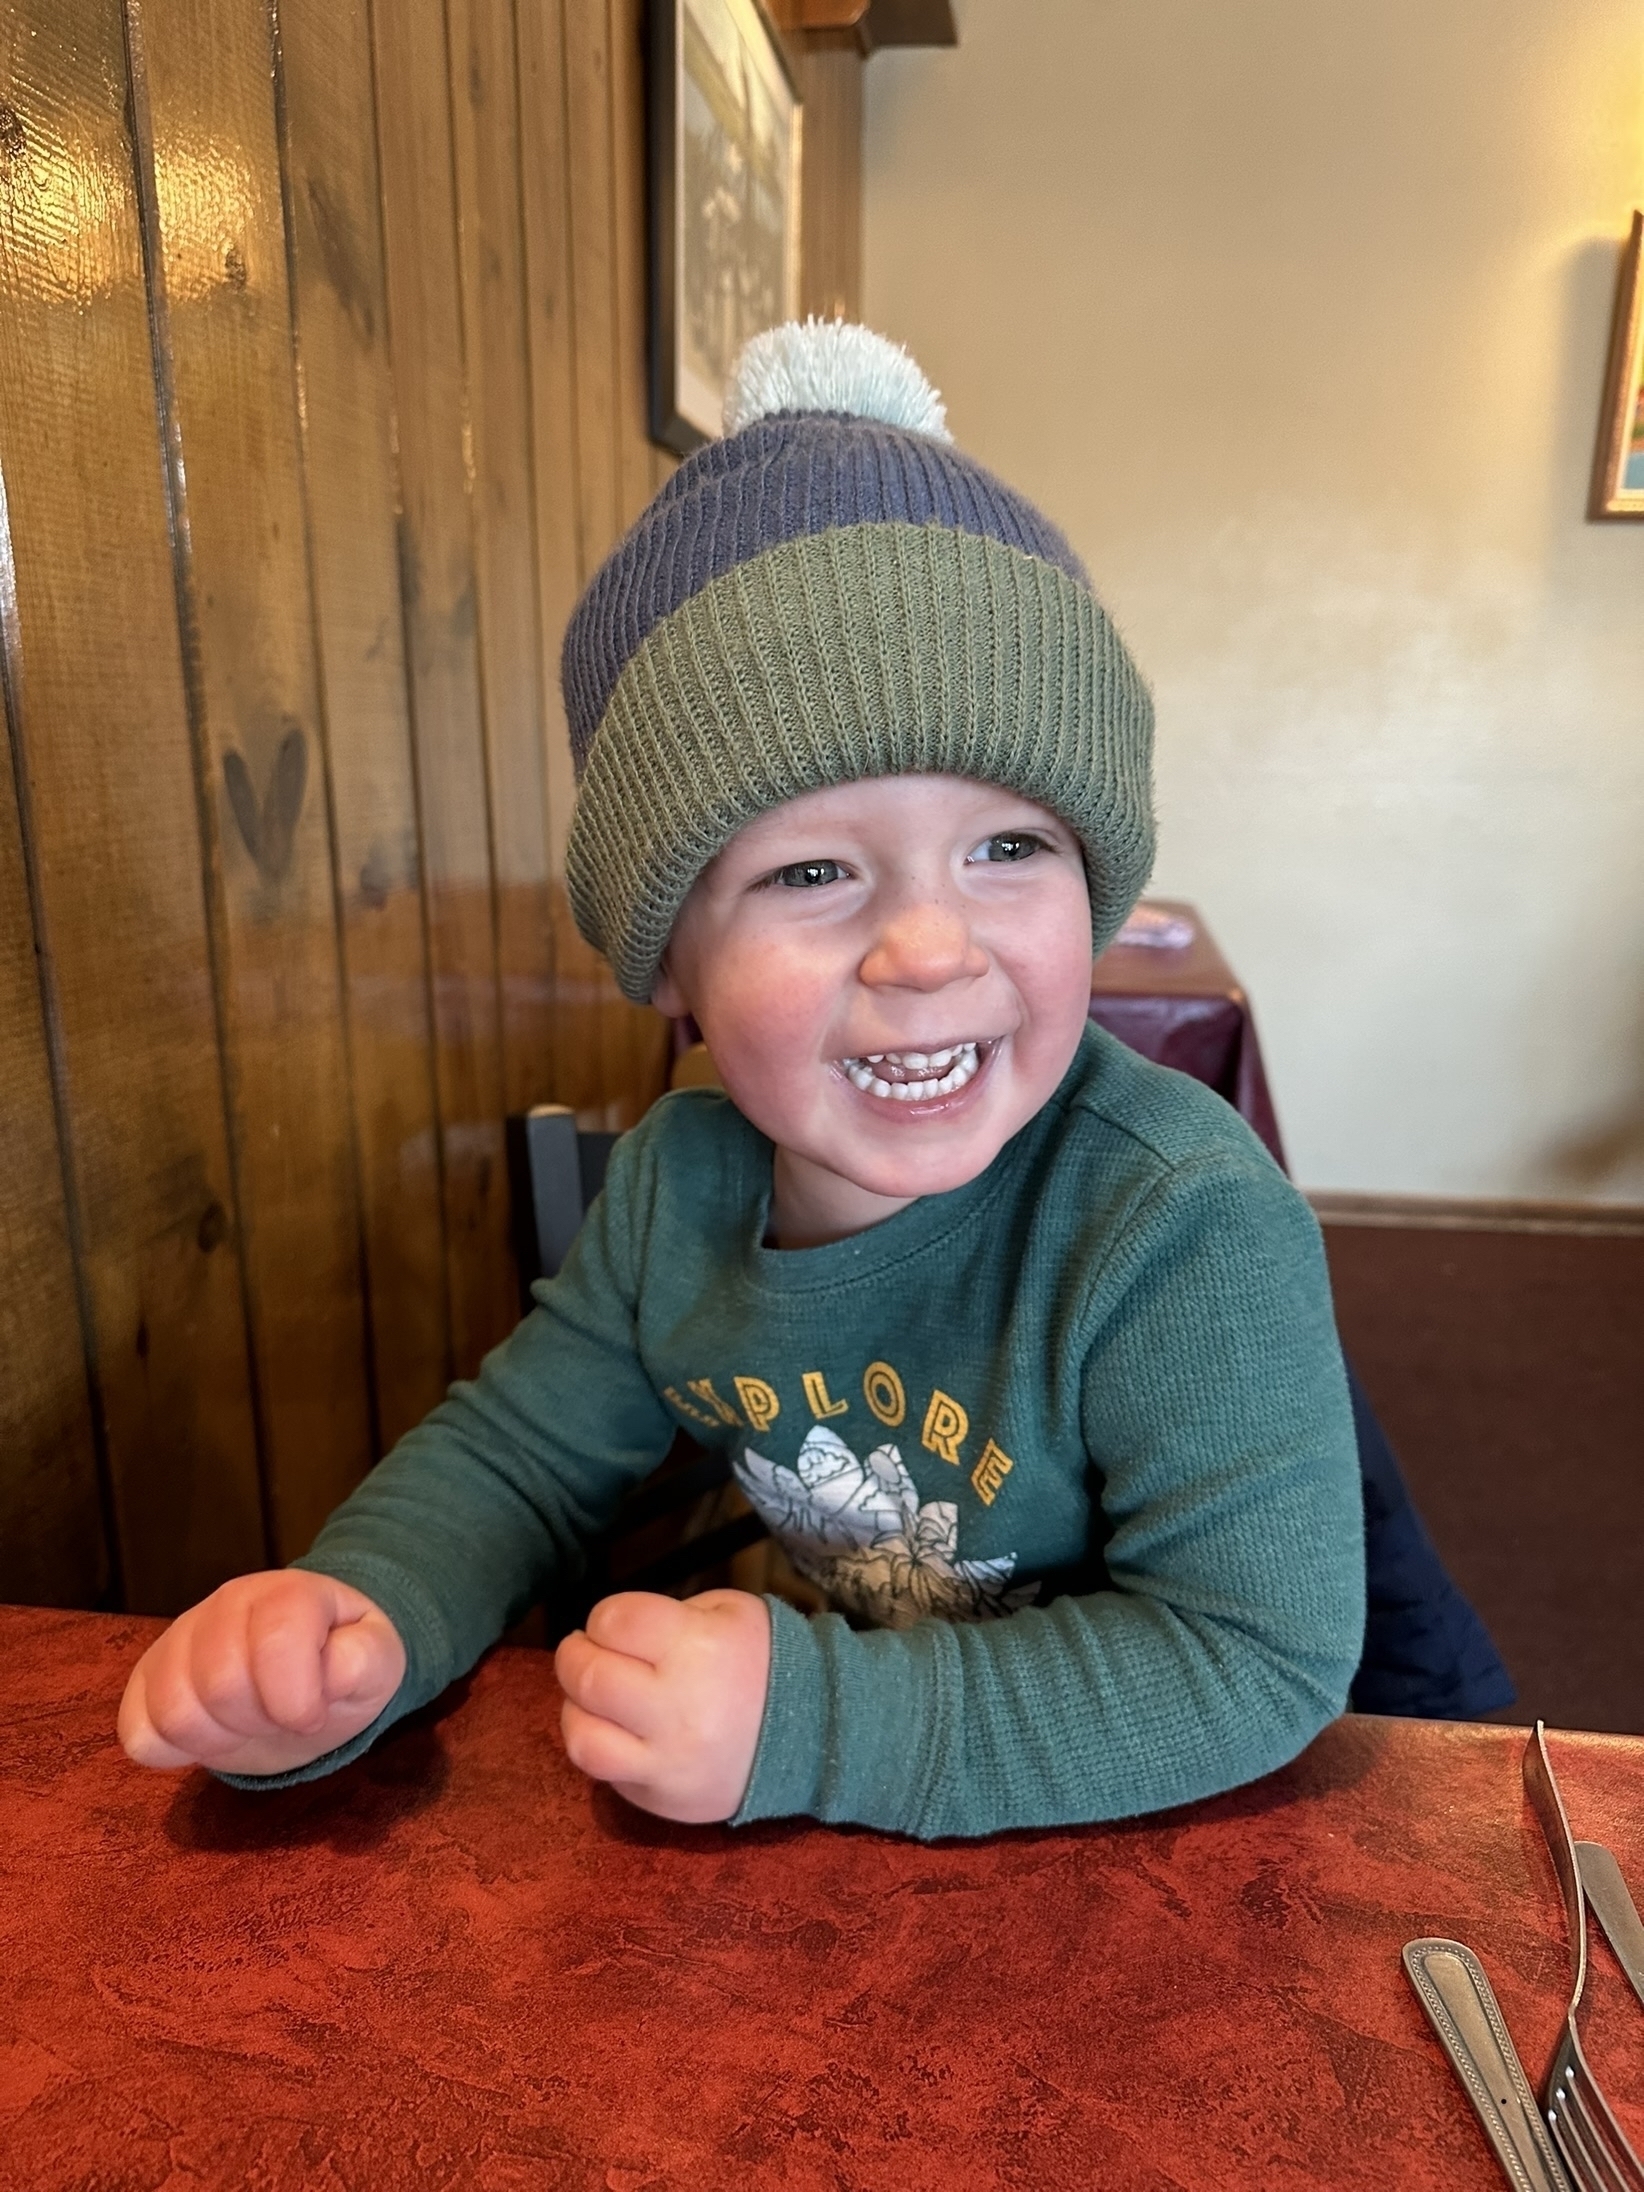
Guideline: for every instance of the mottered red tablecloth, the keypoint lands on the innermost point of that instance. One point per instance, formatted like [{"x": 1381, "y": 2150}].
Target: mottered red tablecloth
[{"x": 458, "y": 1964}]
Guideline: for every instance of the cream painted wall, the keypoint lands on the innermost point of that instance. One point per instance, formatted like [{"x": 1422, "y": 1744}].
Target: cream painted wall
[{"x": 1293, "y": 313}]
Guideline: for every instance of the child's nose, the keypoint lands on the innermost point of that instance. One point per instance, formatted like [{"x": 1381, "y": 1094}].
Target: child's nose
[{"x": 923, "y": 947}]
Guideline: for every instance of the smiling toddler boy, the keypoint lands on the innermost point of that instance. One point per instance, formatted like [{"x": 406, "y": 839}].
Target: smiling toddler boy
[{"x": 1021, "y": 1346}]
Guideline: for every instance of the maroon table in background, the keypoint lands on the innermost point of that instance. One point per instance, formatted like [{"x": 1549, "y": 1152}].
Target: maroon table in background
[
  {"x": 1185, "y": 1008},
  {"x": 457, "y": 1965}
]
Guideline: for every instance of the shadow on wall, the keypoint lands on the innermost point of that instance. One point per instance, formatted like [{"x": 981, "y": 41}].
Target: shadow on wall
[
  {"x": 1610, "y": 1152},
  {"x": 1588, "y": 283}
]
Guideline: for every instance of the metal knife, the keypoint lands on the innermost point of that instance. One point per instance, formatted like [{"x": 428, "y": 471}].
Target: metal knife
[{"x": 1462, "y": 2008}]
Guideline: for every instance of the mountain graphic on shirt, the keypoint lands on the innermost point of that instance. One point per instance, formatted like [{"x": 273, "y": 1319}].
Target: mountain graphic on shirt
[{"x": 858, "y": 1530}]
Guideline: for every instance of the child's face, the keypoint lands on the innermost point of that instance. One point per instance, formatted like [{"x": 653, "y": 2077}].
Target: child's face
[{"x": 915, "y": 932}]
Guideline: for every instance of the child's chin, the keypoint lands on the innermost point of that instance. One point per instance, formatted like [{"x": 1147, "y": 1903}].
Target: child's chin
[{"x": 929, "y": 1171}]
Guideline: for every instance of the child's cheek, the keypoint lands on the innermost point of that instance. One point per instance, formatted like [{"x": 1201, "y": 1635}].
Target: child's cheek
[
  {"x": 788, "y": 992},
  {"x": 761, "y": 1013}
]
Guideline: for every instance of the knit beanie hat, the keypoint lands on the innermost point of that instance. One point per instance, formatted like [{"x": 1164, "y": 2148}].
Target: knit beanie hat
[{"x": 831, "y": 592}]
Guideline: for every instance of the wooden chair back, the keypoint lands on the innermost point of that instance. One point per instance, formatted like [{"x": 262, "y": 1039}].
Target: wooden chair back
[{"x": 688, "y": 1520}]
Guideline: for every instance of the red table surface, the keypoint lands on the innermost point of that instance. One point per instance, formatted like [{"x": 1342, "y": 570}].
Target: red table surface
[
  {"x": 1184, "y": 1007},
  {"x": 458, "y": 1964}
]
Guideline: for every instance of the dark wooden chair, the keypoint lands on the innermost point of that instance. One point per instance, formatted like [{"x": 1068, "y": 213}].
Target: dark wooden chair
[{"x": 688, "y": 1520}]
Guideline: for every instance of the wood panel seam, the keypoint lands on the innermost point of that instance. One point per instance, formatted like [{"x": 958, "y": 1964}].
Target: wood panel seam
[
  {"x": 11, "y": 696},
  {"x": 322, "y": 723},
  {"x": 188, "y": 635},
  {"x": 532, "y": 476},
  {"x": 402, "y": 551},
  {"x": 488, "y": 771}
]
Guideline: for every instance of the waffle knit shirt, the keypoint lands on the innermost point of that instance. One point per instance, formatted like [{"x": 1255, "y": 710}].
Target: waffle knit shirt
[{"x": 1069, "y": 1446}]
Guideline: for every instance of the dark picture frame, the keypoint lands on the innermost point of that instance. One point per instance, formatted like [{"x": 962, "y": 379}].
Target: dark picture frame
[
  {"x": 724, "y": 124},
  {"x": 1618, "y": 467}
]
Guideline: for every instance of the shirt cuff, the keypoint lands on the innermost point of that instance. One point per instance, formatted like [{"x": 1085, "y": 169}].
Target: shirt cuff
[{"x": 788, "y": 1756}]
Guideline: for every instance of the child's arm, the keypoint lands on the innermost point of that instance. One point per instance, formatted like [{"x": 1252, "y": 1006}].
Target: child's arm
[
  {"x": 1216, "y": 1408},
  {"x": 456, "y": 1533}
]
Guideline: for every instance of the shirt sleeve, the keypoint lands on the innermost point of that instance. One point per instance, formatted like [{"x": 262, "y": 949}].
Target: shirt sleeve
[
  {"x": 489, "y": 1503},
  {"x": 1215, "y": 1407}
]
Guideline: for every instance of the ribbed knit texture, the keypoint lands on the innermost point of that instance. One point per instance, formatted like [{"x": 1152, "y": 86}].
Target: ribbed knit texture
[
  {"x": 1098, "y": 1385},
  {"x": 820, "y": 598},
  {"x": 872, "y": 650},
  {"x": 780, "y": 479}
]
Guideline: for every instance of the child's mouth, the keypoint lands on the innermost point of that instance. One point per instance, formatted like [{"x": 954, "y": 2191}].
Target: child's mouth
[{"x": 915, "y": 1076}]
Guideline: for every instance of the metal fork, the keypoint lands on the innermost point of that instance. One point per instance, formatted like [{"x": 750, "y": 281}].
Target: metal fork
[
  {"x": 1611, "y": 1903},
  {"x": 1594, "y": 2147}
]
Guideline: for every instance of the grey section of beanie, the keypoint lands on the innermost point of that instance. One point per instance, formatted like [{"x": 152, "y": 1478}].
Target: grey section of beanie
[{"x": 870, "y": 650}]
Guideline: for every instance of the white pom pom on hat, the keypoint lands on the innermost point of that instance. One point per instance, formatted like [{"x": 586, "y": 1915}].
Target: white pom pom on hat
[{"x": 831, "y": 365}]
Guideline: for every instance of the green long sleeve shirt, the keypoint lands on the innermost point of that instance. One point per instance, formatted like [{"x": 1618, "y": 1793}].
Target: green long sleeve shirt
[{"x": 1073, "y": 1438}]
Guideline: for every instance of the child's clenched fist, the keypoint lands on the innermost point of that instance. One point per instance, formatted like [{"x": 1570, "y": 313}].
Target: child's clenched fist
[
  {"x": 266, "y": 1674},
  {"x": 664, "y": 1698}
]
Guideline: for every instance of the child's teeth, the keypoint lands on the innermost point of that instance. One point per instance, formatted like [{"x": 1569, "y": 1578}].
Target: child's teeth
[{"x": 939, "y": 1072}]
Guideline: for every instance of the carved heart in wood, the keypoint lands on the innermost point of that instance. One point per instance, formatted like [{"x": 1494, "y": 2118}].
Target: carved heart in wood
[{"x": 269, "y": 829}]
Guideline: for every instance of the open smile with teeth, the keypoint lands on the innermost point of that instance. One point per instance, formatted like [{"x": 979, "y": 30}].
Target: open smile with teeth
[{"x": 915, "y": 1076}]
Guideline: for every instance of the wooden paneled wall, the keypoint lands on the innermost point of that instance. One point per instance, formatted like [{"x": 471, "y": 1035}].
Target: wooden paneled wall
[{"x": 321, "y": 394}]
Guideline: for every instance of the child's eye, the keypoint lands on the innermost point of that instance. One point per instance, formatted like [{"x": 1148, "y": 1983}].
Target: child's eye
[
  {"x": 808, "y": 874},
  {"x": 1009, "y": 845}
]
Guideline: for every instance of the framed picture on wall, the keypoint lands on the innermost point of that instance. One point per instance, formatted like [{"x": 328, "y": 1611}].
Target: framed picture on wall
[
  {"x": 1618, "y": 472},
  {"x": 724, "y": 141}
]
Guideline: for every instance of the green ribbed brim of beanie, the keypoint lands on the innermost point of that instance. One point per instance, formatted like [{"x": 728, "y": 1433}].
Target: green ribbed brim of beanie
[{"x": 834, "y": 592}]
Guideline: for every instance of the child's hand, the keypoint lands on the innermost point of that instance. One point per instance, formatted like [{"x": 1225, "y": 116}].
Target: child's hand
[
  {"x": 664, "y": 1698},
  {"x": 269, "y": 1672}
]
